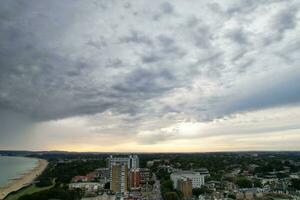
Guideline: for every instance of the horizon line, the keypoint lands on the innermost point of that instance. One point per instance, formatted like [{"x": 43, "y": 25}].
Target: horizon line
[{"x": 154, "y": 152}]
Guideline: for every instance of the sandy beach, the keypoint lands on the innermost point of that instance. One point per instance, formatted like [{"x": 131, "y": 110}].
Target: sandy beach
[{"x": 24, "y": 180}]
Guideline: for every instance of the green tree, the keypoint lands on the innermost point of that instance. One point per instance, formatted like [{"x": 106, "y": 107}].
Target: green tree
[
  {"x": 107, "y": 185},
  {"x": 257, "y": 183},
  {"x": 244, "y": 182},
  {"x": 199, "y": 191},
  {"x": 171, "y": 196},
  {"x": 296, "y": 183}
]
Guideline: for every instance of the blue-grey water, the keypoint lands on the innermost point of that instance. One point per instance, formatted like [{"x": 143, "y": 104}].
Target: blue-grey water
[{"x": 13, "y": 167}]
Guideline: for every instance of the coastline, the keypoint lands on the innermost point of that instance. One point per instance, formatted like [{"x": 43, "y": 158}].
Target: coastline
[{"x": 24, "y": 180}]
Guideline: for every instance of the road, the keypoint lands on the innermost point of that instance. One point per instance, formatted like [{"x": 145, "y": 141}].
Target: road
[{"x": 156, "y": 194}]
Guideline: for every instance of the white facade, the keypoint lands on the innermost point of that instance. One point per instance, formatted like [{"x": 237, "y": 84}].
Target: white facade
[
  {"x": 196, "y": 177},
  {"x": 134, "y": 162},
  {"x": 89, "y": 186},
  {"x": 123, "y": 181},
  {"x": 131, "y": 161}
]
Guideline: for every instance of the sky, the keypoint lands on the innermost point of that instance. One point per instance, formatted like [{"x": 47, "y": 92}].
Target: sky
[{"x": 150, "y": 76}]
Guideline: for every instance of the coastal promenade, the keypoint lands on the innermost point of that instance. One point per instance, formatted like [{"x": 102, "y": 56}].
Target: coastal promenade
[{"x": 24, "y": 180}]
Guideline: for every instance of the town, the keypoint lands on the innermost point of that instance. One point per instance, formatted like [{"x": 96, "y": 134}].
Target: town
[
  {"x": 205, "y": 176},
  {"x": 128, "y": 181}
]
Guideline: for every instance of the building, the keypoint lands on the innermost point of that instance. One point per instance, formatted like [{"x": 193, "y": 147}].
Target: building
[
  {"x": 134, "y": 179},
  {"x": 185, "y": 186},
  {"x": 103, "y": 173},
  {"x": 92, "y": 175},
  {"x": 77, "y": 179},
  {"x": 119, "y": 178},
  {"x": 196, "y": 177},
  {"x": 203, "y": 171},
  {"x": 167, "y": 168},
  {"x": 104, "y": 196},
  {"x": 150, "y": 163},
  {"x": 132, "y": 161},
  {"x": 86, "y": 186},
  {"x": 144, "y": 175}
]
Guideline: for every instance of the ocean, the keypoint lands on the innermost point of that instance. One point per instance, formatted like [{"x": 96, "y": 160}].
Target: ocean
[{"x": 13, "y": 167}]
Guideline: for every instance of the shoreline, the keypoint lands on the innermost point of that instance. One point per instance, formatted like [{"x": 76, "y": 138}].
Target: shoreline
[{"x": 24, "y": 180}]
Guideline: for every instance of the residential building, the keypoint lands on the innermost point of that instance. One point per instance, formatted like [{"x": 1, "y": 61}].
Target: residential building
[
  {"x": 144, "y": 175},
  {"x": 87, "y": 186},
  {"x": 77, "y": 179},
  {"x": 185, "y": 186},
  {"x": 203, "y": 171},
  {"x": 132, "y": 161},
  {"x": 103, "y": 173},
  {"x": 104, "y": 196},
  {"x": 196, "y": 178},
  {"x": 134, "y": 179},
  {"x": 119, "y": 178}
]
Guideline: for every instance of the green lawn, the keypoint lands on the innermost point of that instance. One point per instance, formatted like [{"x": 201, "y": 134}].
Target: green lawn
[{"x": 28, "y": 190}]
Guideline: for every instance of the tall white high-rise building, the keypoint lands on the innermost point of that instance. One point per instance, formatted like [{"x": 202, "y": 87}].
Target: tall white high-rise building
[{"x": 132, "y": 161}]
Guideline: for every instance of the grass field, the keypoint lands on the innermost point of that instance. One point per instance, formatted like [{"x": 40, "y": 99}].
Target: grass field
[{"x": 27, "y": 190}]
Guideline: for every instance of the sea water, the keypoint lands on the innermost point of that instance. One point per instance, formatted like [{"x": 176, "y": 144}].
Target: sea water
[{"x": 14, "y": 167}]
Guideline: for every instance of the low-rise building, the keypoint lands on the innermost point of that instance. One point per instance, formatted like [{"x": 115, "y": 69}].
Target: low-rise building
[
  {"x": 203, "y": 171},
  {"x": 77, "y": 179},
  {"x": 144, "y": 175},
  {"x": 104, "y": 196},
  {"x": 196, "y": 178},
  {"x": 103, "y": 173},
  {"x": 86, "y": 186}
]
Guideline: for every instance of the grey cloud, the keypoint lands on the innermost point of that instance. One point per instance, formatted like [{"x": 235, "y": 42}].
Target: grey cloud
[
  {"x": 98, "y": 44},
  {"x": 147, "y": 82},
  {"x": 157, "y": 136},
  {"x": 167, "y": 8},
  {"x": 137, "y": 37},
  {"x": 162, "y": 49},
  {"x": 285, "y": 20},
  {"x": 150, "y": 58},
  {"x": 62, "y": 59},
  {"x": 238, "y": 36},
  {"x": 243, "y": 6},
  {"x": 278, "y": 92},
  {"x": 166, "y": 41}
]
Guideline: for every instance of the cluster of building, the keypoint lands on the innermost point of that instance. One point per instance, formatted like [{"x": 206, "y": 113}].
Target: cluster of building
[
  {"x": 123, "y": 175},
  {"x": 269, "y": 184},
  {"x": 185, "y": 181},
  {"x": 126, "y": 175},
  {"x": 88, "y": 178}
]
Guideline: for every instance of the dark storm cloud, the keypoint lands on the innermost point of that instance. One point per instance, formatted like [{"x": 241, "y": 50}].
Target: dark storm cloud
[
  {"x": 284, "y": 91},
  {"x": 61, "y": 59},
  {"x": 145, "y": 81}
]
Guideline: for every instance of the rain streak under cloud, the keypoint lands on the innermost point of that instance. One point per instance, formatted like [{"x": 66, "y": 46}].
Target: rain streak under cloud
[{"x": 150, "y": 75}]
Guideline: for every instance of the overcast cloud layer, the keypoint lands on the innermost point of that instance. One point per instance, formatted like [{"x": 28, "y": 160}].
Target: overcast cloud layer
[{"x": 149, "y": 75}]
